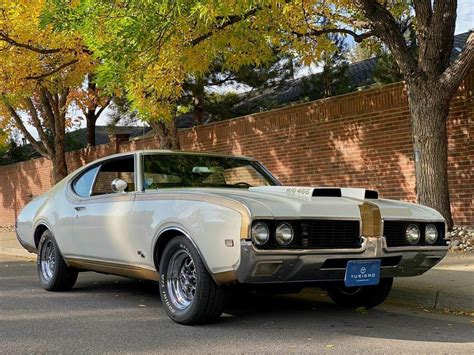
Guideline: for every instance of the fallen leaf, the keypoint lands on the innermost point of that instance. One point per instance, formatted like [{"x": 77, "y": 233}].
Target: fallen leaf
[
  {"x": 362, "y": 310},
  {"x": 330, "y": 345},
  {"x": 141, "y": 305}
]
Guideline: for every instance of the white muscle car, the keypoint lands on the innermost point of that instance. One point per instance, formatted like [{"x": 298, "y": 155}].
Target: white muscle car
[{"x": 202, "y": 223}]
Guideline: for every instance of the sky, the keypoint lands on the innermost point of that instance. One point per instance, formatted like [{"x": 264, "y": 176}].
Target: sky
[
  {"x": 465, "y": 20},
  {"x": 464, "y": 23}
]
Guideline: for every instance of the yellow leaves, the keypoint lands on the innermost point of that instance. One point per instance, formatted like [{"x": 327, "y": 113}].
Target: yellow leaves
[{"x": 33, "y": 55}]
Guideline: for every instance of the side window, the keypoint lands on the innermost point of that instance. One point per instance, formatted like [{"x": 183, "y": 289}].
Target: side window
[
  {"x": 83, "y": 184},
  {"x": 122, "y": 168}
]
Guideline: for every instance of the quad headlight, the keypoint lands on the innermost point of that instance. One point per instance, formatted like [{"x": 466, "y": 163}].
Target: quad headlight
[
  {"x": 412, "y": 234},
  {"x": 284, "y": 234},
  {"x": 431, "y": 234},
  {"x": 260, "y": 233}
]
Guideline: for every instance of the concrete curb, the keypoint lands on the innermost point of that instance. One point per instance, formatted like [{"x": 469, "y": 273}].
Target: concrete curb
[{"x": 457, "y": 299}]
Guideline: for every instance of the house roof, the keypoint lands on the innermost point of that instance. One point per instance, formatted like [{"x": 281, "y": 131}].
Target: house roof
[
  {"x": 360, "y": 74},
  {"x": 102, "y": 133}
]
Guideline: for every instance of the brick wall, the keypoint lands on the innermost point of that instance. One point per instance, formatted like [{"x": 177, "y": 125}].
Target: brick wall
[{"x": 360, "y": 139}]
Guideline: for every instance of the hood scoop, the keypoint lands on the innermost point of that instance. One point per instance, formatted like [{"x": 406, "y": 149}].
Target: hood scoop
[
  {"x": 307, "y": 193},
  {"x": 360, "y": 194},
  {"x": 327, "y": 192}
]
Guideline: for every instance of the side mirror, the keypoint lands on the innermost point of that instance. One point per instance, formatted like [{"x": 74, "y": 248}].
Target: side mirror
[{"x": 119, "y": 185}]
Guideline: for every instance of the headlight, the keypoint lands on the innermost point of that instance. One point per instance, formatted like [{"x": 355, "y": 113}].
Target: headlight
[
  {"x": 431, "y": 234},
  {"x": 260, "y": 233},
  {"x": 412, "y": 234},
  {"x": 284, "y": 234}
]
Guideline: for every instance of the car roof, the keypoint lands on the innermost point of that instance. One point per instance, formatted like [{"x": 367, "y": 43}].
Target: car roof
[
  {"x": 79, "y": 170},
  {"x": 164, "y": 151}
]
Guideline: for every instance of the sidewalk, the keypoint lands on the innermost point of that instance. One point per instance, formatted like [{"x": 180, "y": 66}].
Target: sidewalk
[
  {"x": 10, "y": 246},
  {"x": 450, "y": 285}
]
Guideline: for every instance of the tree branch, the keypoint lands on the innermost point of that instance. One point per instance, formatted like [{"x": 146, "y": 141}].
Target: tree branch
[
  {"x": 423, "y": 13},
  {"x": 54, "y": 71},
  {"x": 45, "y": 98},
  {"x": 21, "y": 126},
  {"x": 221, "y": 81},
  {"x": 456, "y": 72},
  {"x": 439, "y": 37},
  {"x": 38, "y": 126},
  {"x": 62, "y": 110},
  {"x": 98, "y": 113},
  {"x": 5, "y": 38},
  {"x": 387, "y": 29},
  {"x": 228, "y": 22},
  {"x": 319, "y": 32}
]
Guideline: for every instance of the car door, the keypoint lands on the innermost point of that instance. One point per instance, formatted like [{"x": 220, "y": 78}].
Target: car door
[{"x": 101, "y": 228}]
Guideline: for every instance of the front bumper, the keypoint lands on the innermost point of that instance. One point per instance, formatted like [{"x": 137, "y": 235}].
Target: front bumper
[{"x": 283, "y": 266}]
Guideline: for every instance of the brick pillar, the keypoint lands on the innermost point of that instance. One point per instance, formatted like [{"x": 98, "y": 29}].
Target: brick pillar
[{"x": 117, "y": 139}]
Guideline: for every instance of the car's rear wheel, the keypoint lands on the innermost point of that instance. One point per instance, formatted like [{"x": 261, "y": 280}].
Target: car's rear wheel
[
  {"x": 188, "y": 292},
  {"x": 54, "y": 274},
  {"x": 366, "y": 296}
]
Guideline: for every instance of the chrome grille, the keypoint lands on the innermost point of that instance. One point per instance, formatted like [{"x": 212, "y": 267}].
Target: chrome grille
[
  {"x": 394, "y": 232},
  {"x": 318, "y": 234}
]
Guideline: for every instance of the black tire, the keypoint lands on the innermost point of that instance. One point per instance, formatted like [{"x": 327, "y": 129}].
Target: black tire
[
  {"x": 367, "y": 296},
  {"x": 206, "y": 301},
  {"x": 59, "y": 276}
]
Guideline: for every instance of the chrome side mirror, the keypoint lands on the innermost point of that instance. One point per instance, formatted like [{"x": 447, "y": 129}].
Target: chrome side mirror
[{"x": 119, "y": 185}]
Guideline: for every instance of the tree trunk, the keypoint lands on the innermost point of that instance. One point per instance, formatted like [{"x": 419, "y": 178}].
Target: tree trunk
[
  {"x": 429, "y": 108},
  {"x": 59, "y": 157},
  {"x": 59, "y": 167},
  {"x": 91, "y": 120},
  {"x": 199, "y": 94},
  {"x": 198, "y": 112},
  {"x": 166, "y": 133}
]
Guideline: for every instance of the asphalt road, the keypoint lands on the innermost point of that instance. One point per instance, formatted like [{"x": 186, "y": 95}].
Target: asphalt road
[{"x": 111, "y": 314}]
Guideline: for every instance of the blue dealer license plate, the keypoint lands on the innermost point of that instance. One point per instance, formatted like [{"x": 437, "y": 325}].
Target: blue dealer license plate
[{"x": 362, "y": 273}]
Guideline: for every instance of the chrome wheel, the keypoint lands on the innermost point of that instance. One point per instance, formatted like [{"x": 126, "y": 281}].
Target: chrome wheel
[
  {"x": 181, "y": 279},
  {"x": 48, "y": 260}
]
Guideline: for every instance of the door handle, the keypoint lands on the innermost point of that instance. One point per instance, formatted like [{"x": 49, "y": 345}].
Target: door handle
[{"x": 79, "y": 208}]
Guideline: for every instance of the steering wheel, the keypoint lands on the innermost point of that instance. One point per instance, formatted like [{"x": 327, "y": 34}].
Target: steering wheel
[{"x": 243, "y": 184}]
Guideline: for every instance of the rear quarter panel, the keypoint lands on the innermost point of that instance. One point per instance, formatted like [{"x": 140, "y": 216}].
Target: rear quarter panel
[
  {"x": 26, "y": 219},
  {"x": 51, "y": 209}
]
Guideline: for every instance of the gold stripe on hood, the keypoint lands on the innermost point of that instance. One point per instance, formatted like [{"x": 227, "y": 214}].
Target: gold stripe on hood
[{"x": 371, "y": 220}]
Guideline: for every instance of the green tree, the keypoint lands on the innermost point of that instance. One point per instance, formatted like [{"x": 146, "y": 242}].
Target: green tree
[
  {"x": 334, "y": 77},
  {"x": 155, "y": 46}
]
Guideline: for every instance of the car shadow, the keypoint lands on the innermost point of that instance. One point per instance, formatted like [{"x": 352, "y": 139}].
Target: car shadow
[{"x": 310, "y": 309}]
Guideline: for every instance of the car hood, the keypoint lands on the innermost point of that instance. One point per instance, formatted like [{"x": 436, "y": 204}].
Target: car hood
[{"x": 311, "y": 202}]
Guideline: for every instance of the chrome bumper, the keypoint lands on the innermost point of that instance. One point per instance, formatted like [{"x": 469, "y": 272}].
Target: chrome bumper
[{"x": 277, "y": 266}]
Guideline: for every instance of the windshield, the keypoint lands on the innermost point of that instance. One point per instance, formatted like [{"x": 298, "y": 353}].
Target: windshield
[{"x": 188, "y": 170}]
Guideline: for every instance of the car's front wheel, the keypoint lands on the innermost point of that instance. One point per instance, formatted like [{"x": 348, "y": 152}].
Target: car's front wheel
[
  {"x": 54, "y": 274},
  {"x": 188, "y": 292},
  {"x": 366, "y": 296}
]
